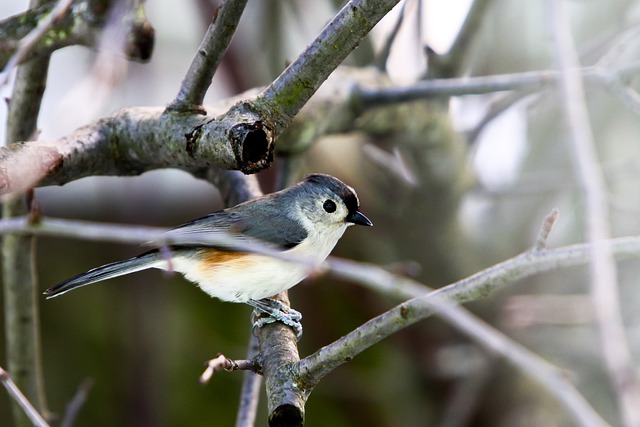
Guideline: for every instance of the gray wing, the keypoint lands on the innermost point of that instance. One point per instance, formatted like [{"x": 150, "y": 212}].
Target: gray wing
[{"x": 270, "y": 226}]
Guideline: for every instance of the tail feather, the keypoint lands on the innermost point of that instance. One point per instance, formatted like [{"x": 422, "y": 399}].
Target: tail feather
[{"x": 108, "y": 271}]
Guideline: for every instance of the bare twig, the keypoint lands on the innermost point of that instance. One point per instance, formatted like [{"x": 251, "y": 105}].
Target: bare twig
[
  {"x": 21, "y": 400},
  {"x": 545, "y": 230},
  {"x": 440, "y": 302},
  {"x": 205, "y": 63},
  {"x": 76, "y": 403},
  {"x": 383, "y": 55},
  {"x": 451, "y": 63},
  {"x": 250, "y": 392},
  {"x": 82, "y": 24},
  {"x": 221, "y": 362},
  {"x": 27, "y": 43},
  {"x": 604, "y": 284}
]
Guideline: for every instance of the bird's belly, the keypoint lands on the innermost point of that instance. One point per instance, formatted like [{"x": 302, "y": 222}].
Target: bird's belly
[{"x": 238, "y": 277}]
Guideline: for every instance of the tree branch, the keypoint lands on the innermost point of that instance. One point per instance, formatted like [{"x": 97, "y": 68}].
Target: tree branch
[
  {"x": 604, "y": 280},
  {"x": 205, "y": 63},
  {"x": 15, "y": 393},
  {"x": 310, "y": 370},
  {"x": 314, "y": 367},
  {"x": 135, "y": 140},
  {"x": 283, "y": 98},
  {"x": 81, "y": 25},
  {"x": 21, "y": 313}
]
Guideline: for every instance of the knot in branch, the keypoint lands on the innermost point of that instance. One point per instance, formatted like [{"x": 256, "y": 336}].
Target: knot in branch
[{"x": 252, "y": 145}]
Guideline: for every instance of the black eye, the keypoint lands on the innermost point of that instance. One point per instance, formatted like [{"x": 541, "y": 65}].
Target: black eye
[{"x": 329, "y": 206}]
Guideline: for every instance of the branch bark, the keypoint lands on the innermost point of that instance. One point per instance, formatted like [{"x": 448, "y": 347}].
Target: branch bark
[{"x": 204, "y": 65}]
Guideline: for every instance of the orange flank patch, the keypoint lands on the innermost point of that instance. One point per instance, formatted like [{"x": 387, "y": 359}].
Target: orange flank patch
[{"x": 209, "y": 259}]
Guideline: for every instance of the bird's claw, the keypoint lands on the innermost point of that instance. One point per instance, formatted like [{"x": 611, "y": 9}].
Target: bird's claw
[{"x": 276, "y": 311}]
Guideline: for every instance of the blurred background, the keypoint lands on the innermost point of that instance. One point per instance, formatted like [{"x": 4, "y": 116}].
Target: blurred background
[{"x": 453, "y": 185}]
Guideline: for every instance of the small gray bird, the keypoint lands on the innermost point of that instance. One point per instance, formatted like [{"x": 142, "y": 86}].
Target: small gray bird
[{"x": 306, "y": 219}]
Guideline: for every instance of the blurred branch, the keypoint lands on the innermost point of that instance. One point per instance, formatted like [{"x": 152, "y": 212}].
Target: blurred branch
[
  {"x": 311, "y": 369},
  {"x": 441, "y": 302},
  {"x": 604, "y": 281},
  {"x": 42, "y": 30},
  {"x": 205, "y": 63},
  {"x": 20, "y": 281},
  {"x": 451, "y": 63},
  {"x": 76, "y": 403},
  {"x": 383, "y": 55},
  {"x": 250, "y": 392},
  {"x": 15, "y": 393},
  {"x": 27, "y": 44},
  {"x": 235, "y": 188},
  {"x": 461, "y": 86}
]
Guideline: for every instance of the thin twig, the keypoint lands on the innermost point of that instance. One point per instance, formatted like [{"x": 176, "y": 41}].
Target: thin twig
[
  {"x": 441, "y": 302},
  {"x": 451, "y": 63},
  {"x": 28, "y": 42},
  {"x": 250, "y": 392},
  {"x": 76, "y": 403},
  {"x": 21, "y": 400},
  {"x": 221, "y": 362},
  {"x": 480, "y": 85},
  {"x": 604, "y": 283},
  {"x": 383, "y": 55},
  {"x": 545, "y": 230},
  {"x": 204, "y": 65}
]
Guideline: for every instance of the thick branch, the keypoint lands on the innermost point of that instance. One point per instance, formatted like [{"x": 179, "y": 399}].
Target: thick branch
[{"x": 136, "y": 140}]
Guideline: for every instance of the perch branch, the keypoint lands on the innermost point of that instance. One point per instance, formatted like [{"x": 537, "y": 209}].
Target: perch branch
[
  {"x": 603, "y": 278},
  {"x": 424, "y": 304},
  {"x": 316, "y": 366}
]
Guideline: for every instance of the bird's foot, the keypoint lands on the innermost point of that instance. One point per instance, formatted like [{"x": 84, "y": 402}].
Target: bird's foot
[{"x": 276, "y": 312}]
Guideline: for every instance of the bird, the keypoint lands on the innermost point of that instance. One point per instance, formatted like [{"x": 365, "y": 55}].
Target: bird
[{"x": 306, "y": 219}]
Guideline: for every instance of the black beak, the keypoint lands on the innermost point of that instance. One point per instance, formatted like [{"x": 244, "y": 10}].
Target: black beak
[{"x": 359, "y": 219}]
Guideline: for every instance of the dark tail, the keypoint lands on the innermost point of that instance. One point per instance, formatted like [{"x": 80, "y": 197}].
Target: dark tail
[{"x": 115, "y": 269}]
